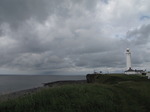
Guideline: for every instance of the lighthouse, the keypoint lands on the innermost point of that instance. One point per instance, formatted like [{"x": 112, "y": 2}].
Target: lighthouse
[
  {"x": 128, "y": 58},
  {"x": 129, "y": 70}
]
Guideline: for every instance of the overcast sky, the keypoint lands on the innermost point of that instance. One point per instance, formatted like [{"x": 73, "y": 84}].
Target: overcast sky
[{"x": 73, "y": 36}]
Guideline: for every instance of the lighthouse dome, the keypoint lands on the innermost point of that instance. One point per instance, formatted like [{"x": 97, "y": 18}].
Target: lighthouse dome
[{"x": 128, "y": 50}]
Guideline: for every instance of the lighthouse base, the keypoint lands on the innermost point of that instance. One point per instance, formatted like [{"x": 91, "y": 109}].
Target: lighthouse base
[{"x": 135, "y": 72}]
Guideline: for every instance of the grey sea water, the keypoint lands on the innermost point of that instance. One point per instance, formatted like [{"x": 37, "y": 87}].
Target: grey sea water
[{"x": 12, "y": 83}]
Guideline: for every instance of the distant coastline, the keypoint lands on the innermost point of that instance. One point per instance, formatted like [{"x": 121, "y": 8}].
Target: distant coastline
[
  {"x": 20, "y": 93},
  {"x": 13, "y": 83}
]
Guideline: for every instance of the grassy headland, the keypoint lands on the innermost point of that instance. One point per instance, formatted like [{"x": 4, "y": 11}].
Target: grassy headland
[{"x": 108, "y": 93}]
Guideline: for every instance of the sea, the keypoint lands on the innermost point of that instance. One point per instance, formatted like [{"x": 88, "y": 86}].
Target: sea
[{"x": 13, "y": 83}]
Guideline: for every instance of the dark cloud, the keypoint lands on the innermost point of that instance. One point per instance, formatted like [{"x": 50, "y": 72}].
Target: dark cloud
[
  {"x": 139, "y": 35},
  {"x": 16, "y": 11}
]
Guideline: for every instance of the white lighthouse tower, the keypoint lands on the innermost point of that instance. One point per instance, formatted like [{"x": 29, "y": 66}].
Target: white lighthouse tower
[{"x": 128, "y": 58}]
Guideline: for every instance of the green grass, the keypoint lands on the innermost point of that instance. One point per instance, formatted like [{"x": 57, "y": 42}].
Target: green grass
[{"x": 125, "y": 96}]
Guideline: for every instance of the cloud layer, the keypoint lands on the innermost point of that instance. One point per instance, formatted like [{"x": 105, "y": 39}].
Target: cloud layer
[{"x": 66, "y": 36}]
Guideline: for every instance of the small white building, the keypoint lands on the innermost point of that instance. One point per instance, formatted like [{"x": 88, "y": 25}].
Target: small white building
[
  {"x": 133, "y": 72},
  {"x": 129, "y": 70}
]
